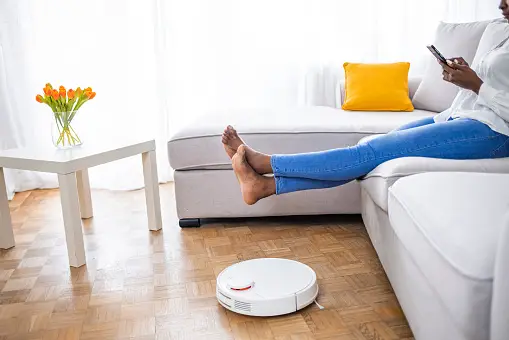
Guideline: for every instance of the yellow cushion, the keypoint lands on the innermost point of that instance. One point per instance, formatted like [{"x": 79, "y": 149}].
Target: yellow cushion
[{"x": 377, "y": 87}]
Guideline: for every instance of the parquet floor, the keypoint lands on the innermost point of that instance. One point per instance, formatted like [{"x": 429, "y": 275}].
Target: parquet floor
[{"x": 161, "y": 285}]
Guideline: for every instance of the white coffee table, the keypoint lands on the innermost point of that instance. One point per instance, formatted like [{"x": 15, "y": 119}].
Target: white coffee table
[{"x": 72, "y": 169}]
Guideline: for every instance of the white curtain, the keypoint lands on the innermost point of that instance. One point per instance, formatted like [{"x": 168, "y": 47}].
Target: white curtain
[{"x": 157, "y": 65}]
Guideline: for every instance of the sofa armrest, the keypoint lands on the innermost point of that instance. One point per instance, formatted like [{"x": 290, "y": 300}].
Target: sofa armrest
[
  {"x": 414, "y": 165},
  {"x": 500, "y": 299},
  {"x": 378, "y": 181}
]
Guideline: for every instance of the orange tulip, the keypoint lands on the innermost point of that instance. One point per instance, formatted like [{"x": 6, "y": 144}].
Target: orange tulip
[
  {"x": 92, "y": 95},
  {"x": 88, "y": 89},
  {"x": 62, "y": 91},
  {"x": 39, "y": 98},
  {"x": 48, "y": 85},
  {"x": 55, "y": 94},
  {"x": 70, "y": 94},
  {"x": 47, "y": 91}
]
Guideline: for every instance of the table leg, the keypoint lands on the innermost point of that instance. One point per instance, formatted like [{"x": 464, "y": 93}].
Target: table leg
[
  {"x": 84, "y": 194},
  {"x": 72, "y": 220},
  {"x": 152, "y": 190},
  {"x": 6, "y": 234}
]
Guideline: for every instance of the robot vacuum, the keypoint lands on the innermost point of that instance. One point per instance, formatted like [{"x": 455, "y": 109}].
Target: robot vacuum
[{"x": 266, "y": 287}]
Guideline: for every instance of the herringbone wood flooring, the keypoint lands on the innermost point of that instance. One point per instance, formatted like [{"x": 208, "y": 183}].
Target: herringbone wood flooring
[{"x": 161, "y": 285}]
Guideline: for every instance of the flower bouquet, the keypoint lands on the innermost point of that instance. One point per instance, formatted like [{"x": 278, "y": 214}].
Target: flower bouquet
[{"x": 65, "y": 106}]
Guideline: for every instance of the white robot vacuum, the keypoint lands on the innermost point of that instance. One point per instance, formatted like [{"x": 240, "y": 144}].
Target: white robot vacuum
[{"x": 266, "y": 287}]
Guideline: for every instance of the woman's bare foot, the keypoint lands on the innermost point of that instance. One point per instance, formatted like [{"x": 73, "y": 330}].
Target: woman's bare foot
[
  {"x": 260, "y": 162},
  {"x": 253, "y": 186},
  {"x": 231, "y": 141}
]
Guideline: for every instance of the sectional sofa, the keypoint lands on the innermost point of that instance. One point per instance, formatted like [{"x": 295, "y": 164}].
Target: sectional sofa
[
  {"x": 438, "y": 234},
  {"x": 205, "y": 184},
  {"x": 440, "y": 227}
]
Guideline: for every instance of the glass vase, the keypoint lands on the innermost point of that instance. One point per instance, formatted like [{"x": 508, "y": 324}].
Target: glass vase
[{"x": 63, "y": 130}]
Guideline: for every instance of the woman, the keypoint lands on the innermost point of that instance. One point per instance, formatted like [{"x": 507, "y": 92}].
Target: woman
[{"x": 475, "y": 127}]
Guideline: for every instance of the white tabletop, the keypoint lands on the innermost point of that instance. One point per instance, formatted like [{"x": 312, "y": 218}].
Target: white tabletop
[{"x": 47, "y": 158}]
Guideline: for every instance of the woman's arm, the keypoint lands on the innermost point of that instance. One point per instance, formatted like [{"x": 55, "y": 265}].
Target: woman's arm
[
  {"x": 460, "y": 74},
  {"x": 495, "y": 96}
]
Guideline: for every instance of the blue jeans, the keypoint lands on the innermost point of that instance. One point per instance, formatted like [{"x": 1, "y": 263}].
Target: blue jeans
[{"x": 454, "y": 139}]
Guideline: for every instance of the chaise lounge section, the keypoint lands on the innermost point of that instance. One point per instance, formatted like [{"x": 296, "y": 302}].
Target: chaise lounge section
[{"x": 206, "y": 187}]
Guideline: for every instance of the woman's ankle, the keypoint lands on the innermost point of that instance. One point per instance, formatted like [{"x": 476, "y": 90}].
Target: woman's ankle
[
  {"x": 269, "y": 186},
  {"x": 260, "y": 162}
]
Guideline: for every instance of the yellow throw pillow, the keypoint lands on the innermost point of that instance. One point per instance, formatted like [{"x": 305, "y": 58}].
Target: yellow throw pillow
[{"x": 377, "y": 87}]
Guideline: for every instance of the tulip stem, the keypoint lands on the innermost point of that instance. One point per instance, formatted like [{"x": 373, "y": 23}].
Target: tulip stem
[{"x": 65, "y": 130}]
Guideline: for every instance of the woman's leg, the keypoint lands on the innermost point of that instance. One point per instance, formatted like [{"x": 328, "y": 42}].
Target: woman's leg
[
  {"x": 457, "y": 139},
  {"x": 298, "y": 184},
  {"x": 232, "y": 142},
  {"x": 416, "y": 123},
  {"x": 255, "y": 186}
]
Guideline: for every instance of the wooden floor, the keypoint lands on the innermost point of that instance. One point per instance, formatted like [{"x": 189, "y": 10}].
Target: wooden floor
[{"x": 161, "y": 285}]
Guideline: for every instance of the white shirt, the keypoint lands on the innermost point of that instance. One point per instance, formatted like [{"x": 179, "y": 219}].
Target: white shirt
[{"x": 491, "y": 106}]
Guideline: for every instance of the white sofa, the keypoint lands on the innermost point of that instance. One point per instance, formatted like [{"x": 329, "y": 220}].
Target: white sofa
[
  {"x": 206, "y": 187},
  {"x": 439, "y": 231},
  {"x": 443, "y": 240}
]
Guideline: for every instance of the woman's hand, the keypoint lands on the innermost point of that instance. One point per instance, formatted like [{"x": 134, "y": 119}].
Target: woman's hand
[
  {"x": 459, "y": 61},
  {"x": 459, "y": 73}
]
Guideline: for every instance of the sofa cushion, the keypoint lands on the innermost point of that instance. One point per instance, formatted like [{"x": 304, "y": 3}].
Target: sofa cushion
[
  {"x": 450, "y": 224},
  {"x": 453, "y": 40},
  {"x": 378, "y": 182},
  {"x": 377, "y": 87},
  {"x": 198, "y": 146}
]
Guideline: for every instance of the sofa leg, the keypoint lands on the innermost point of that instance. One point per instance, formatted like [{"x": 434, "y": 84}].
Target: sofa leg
[{"x": 190, "y": 223}]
